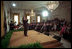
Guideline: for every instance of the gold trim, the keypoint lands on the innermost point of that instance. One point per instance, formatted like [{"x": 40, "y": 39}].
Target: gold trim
[{"x": 2, "y": 19}]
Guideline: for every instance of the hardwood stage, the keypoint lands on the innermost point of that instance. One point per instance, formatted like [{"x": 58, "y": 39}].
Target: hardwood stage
[{"x": 18, "y": 39}]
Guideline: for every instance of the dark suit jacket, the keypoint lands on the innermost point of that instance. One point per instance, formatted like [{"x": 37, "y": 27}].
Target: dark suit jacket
[{"x": 25, "y": 24}]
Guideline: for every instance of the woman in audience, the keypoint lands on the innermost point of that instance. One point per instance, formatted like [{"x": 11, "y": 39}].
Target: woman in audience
[
  {"x": 44, "y": 29},
  {"x": 55, "y": 26},
  {"x": 62, "y": 32},
  {"x": 51, "y": 26}
]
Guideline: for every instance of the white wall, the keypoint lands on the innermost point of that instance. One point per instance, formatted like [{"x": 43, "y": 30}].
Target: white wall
[
  {"x": 63, "y": 11},
  {"x": 21, "y": 13}
]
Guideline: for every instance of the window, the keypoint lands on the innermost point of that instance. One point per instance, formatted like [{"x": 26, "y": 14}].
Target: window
[
  {"x": 28, "y": 17},
  {"x": 38, "y": 18},
  {"x": 16, "y": 19}
]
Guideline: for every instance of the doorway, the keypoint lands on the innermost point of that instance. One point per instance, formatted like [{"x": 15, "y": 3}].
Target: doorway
[{"x": 16, "y": 19}]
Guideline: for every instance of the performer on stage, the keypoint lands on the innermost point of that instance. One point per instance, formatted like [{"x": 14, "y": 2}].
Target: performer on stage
[{"x": 25, "y": 24}]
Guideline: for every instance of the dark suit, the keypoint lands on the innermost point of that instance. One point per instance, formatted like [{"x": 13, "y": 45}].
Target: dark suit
[{"x": 25, "y": 24}]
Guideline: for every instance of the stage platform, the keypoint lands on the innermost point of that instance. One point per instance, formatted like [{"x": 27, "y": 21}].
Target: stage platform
[{"x": 18, "y": 39}]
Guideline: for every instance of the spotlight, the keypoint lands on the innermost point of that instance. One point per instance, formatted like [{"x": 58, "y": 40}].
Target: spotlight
[
  {"x": 14, "y": 4},
  {"x": 45, "y": 13}
]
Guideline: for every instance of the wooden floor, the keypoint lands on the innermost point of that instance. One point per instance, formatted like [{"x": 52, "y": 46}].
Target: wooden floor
[{"x": 18, "y": 39}]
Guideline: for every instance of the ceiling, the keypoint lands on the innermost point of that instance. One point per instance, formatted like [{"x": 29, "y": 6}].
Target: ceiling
[
  {"x": 26, "y": 4},
  {"x": 36, "y": 5}
]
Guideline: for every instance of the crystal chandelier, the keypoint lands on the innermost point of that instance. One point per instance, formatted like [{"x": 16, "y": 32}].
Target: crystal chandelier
[
  {"x": 32, "y": 13},
  {"x": 52, "y": 5}
]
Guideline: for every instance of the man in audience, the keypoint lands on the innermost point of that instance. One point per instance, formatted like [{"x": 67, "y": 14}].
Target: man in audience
[
  {"x": 11, "y": 25},
  {"x": 48, "y": 28}
]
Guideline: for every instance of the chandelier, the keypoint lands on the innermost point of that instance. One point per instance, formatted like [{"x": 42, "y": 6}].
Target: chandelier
[
  {"x": 32, "y": 13},
  {"x": 52, "y": 5}
]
